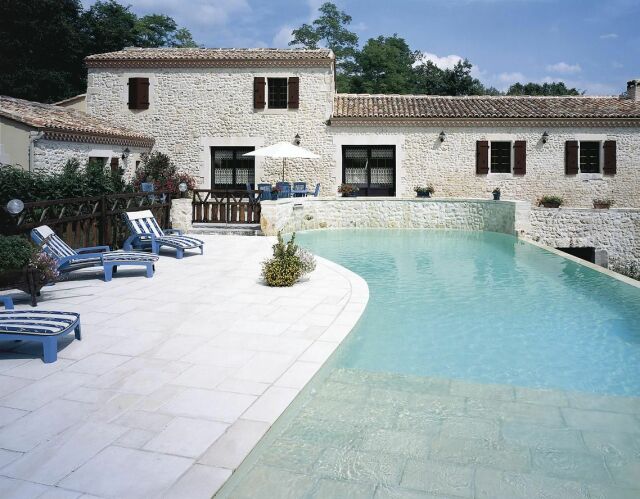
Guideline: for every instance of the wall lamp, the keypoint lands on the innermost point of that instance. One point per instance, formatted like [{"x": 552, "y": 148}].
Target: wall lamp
[
  {"x": 545, "y": 137},
  {"x": 296, "y": 139},
  {"x": 125, "y": 153},
  {"x": 442, "y": 136}
]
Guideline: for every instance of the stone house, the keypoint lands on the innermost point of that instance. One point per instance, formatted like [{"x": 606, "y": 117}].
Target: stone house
[
  {"x": 207, "y": 107},
  {"x": 42, "y": 137}
]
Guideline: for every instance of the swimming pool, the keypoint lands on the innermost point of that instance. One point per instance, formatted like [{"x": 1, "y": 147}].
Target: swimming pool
[{"x": 481, "y": 362}]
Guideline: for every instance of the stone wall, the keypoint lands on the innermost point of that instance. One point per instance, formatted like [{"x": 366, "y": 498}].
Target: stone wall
[
  {"x": 50, "y": 156},
  {"x": 463, "y": 214},
  {"x": 615, "y": 230},
  {"x": 450, "y": 165},
  {"x": 192, "y": 110},
  {"x": 181, "y": 214}
]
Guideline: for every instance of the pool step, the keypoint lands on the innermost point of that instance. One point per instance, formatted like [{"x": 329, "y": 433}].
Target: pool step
[{"x": 227, "y": 229}]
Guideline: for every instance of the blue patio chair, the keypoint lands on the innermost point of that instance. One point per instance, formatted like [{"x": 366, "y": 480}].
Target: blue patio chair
[
  {"x": 146, "y": 233},
  {"x": 316, "y": 192},
  {"x": 299, "y": 189},
  {"x": 265, "y": 192},
  {"x": 38, "y": 325},
  {"x": 284, "y": 189},
  {"x": 68, "y": 259}
]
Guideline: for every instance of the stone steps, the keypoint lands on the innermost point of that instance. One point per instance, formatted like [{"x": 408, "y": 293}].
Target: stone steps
[{"x": 226, "y": 229}]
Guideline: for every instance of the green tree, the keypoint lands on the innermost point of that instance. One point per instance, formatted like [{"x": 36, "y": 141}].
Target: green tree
[
  {"x": 41, "y": 49},
  {"x": 433, "y": 80},
  {"x": 109, "y": 27},
  {"x": 43, "y": 43},
  {"x": 385, "y": 66},
  {"x": 330, "y": 30},
  {"x": 554, "y": 88}
]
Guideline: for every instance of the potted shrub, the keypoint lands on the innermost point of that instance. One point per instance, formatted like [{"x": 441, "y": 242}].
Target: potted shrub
[
  {"x": 23, "y": 266},
  {"x": 348, "y": 190},
  {"x": 275, "y": 192},
  {"x": 550, "y": 201},
  {"x": 288, "y": 265},
  {"x": 424, "y": 192},
  {"x": 496, "y": 194},
  {"x": 602, "y": 204}
]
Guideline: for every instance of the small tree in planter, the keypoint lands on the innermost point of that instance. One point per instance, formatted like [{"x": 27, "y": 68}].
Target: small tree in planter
[
  {"x": 424, "y": 192},
  {"x": 23, "y": 266},
  {"x": 288, "y": 265},
  {"x": 550, "y": 201},
  {"x": 157, "y": 168},
  {"x": 602, "y": 204},
  {"x": 348, "y": 190}
]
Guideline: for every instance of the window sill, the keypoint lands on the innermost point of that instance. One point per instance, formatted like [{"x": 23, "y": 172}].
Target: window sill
[
  {"x": 500, "y": 175},
  {"x": 590, "y": 176},
  {"x": 274, "y": 111}
]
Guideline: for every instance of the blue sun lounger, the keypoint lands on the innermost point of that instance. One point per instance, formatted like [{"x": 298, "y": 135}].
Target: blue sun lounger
[
  {"x": 37, "y": 325},
  {"x": 146, "y": 233},
  {"x": 69, "y": 259}
]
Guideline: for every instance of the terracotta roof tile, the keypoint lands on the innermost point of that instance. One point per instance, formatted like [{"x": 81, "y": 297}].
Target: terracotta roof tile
[
  {"x": 482, "y": 107},
  {"x": 51, "y": 118},
  {"x": 204, "y": 56}
]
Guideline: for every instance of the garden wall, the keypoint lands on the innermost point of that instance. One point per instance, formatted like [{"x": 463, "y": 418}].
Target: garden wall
[{"x": 464, "y": 214}]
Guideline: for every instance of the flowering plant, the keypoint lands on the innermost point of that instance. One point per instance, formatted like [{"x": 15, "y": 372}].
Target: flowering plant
[{"x": 46, "y": 266}]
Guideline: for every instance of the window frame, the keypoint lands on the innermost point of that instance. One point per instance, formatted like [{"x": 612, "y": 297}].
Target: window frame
[
  {"x": 268, "y": 93},
  {"x": 234, "y": 167},
  {"x": 511, "y": 155},
  {"x": 600, "y": 156}
]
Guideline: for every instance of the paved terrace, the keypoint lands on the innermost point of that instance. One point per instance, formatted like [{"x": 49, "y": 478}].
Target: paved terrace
[{"x": 175, "y": 380}]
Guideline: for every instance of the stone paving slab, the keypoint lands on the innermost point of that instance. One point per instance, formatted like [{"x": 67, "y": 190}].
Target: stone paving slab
[{"x": 176, "y": 378}]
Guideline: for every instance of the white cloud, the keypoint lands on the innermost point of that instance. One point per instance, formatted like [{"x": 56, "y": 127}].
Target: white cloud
[
  {"x": 609, "y": 36},
  {"x": 447, "y": 62},
  {"x": 283, "y": 37},
  {"x": 564, "y": 68},
  {"x": 508, "y": 78}
]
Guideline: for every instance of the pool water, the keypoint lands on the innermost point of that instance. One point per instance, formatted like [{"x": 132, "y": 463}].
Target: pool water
[
  {"x": 486, "y": 307},
  {"x": 483, "y": 366}
]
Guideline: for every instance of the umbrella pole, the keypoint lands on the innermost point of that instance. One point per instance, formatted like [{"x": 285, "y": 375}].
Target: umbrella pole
[{"x": 283, "y": 160}]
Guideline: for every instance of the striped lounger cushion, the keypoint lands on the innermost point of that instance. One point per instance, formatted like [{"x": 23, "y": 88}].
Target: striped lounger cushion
[{"x": 184, "y": 242}]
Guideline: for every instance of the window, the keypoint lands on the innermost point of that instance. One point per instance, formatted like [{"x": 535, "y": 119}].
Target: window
[
  {"x": 372, "y": 168},
  {"x": 138, "y": 93},
  {"x": 277, "y": 93},
  {"x": 500, "y": 157},
  {"x": 230, "y": 169},
  {"x": 97, "y": 161},
  {"x": 589, "y": 157}
]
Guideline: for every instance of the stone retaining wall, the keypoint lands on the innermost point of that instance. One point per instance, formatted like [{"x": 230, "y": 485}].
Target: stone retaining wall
[
  {"x": 464, "y": 214},
  {"x": 617, "y": 231}
]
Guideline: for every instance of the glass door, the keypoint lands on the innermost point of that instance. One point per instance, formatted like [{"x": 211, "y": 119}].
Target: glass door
[
  {"x": 230, "y": 169},
  {"x": 371, "y": 168}
]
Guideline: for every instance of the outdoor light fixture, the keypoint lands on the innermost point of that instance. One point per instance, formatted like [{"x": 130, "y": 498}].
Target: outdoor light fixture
[
  {"x": 125, "y": 153},
  {"x": 182, "y": 187},
  {"x": 545, "y": 137},
  {"x": 15, "y": 206},
  {"x": 442, "y": 136},
  {"x": 296, "y": 140}
]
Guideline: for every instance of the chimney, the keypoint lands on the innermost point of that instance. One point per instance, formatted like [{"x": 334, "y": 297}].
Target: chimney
[{"x": 633, "y": 89}]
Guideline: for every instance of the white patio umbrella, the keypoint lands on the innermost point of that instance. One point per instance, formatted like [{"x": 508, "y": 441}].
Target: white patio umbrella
[{"x": 282, "y": 150}]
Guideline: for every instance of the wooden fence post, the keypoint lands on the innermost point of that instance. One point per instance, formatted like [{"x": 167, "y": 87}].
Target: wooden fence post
[{"x": 102, "y": 226}]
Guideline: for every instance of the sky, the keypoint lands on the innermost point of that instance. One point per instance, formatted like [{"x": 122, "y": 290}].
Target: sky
[{"x": 591, "y": 45}]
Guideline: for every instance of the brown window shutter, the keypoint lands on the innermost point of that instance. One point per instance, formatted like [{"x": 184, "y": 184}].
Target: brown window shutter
[
  {"x": 520, "y": 157},
  {"x": 138, "y": 93},
  {"x": 571, "y": 157},
  {"x": 114, "y": 165},
  {"x": 258, "y": 92},
  {"x": 609, "y": 157},
  {"x": 482, "y": 157},
  {"x": 294, "y": 92}
]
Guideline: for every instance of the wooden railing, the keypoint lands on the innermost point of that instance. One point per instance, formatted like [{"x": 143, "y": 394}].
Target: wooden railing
[
  {"x": 89, "y": 221},
  {"x": 226, "y": 206}
]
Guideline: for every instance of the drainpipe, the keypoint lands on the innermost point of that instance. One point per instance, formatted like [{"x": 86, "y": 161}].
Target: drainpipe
[{"x": 33, "y": 137}]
